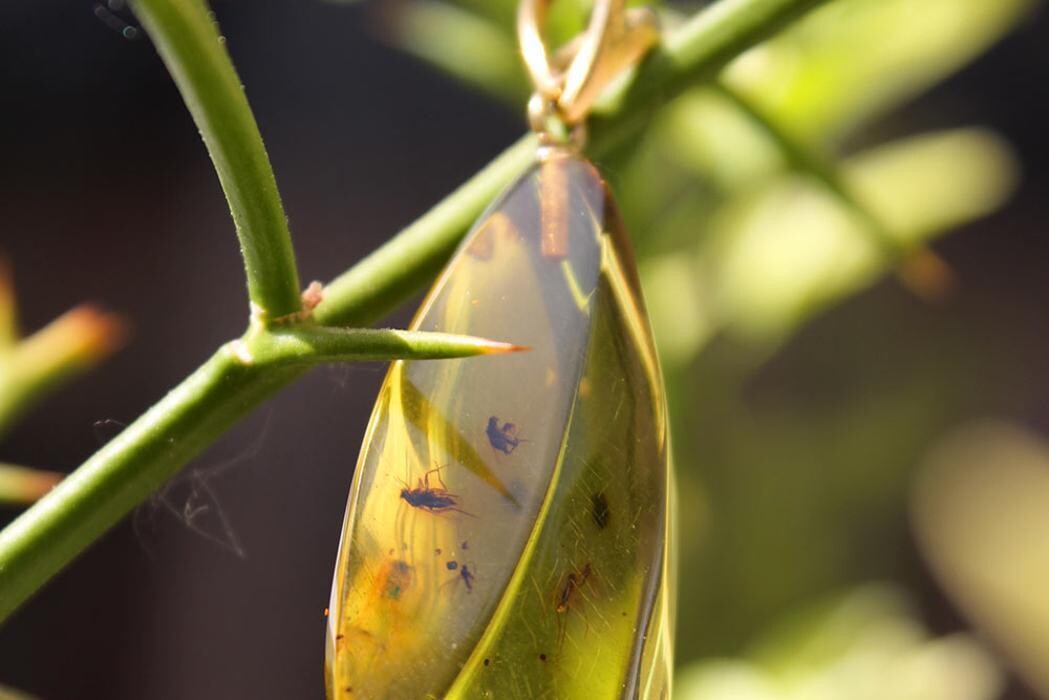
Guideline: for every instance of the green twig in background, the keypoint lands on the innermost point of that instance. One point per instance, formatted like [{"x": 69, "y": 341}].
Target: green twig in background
[
  {"x": 695, "y": 52},
  {"x": 188, "y": 41},
  {"x": 21, "y": 485},
  {"x": 8, "y": 312},
  {"x": 922, "y": 271},
  {"x": 124, "y": 472},
  {"x": 72, "y": 343}
]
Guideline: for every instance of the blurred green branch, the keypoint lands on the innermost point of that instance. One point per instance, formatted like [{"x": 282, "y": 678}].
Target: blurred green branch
[
  {"x": 124, "y": 472},
  {"x": 69, "y": 345},
  {"x": 21, "y": 485},
  {"x": 921, "y": 270}
]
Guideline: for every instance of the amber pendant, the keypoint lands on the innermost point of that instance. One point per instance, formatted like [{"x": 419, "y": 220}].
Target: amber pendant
[{"x": 507, "y": 531}]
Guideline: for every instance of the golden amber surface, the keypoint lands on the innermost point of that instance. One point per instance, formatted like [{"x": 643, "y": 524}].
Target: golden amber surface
[{"x": 507, "y": 530}]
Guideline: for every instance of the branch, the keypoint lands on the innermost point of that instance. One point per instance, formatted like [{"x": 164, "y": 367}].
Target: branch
[
  {"x": 21, "y": 485},
  {"x": 124, "y": 472},
  {"x": 314, "y": 345},
  {"x": 72, "y": 343},
  {"x": 193, "y": 51},
  {"x": 8, "y": 313},
  {"x": 921, "y": 270}
]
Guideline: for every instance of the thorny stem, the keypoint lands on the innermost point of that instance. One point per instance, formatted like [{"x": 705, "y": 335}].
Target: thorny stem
[
  {"x": 242, "y": 374},
  {"x": 194, "y": 52},
  {"x": 312, "y": 345},
  {"x": 124, "y": 472}
]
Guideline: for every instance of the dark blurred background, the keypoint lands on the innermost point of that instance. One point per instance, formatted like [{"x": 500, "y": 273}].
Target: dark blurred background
[{"x": 107, "y": 194}]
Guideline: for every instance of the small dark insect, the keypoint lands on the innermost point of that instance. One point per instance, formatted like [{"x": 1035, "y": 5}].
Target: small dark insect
[
  {"x": 487, "y": 661},
  {"x": 432, "y": 499},
  {"x": 452, "y": 565},
  {"x": 573, "y": 583},
  {"x": 503, "y": 438},
  {"x": 542, "y": 657},
  {"x": 467, "y": 576},
  {"x": 599, "y": 510}
]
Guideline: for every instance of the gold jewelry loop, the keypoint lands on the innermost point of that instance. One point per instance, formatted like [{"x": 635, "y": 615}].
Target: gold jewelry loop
[{"x": 615, "y": 39}]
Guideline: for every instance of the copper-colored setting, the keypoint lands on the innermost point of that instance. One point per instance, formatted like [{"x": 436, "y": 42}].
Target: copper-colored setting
[
  {"x": 553, "y": 208},
  {"x": 615, "y": 39}
]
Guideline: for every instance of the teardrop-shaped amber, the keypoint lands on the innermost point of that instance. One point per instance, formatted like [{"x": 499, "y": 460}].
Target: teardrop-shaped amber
[{"x": 507, "y": 531}]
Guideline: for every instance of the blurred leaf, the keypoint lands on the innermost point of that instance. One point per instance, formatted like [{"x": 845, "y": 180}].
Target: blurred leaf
[
  {"x": 675, "y": 298},
  {"x": 706, "y": 134},
  {"x": 866, "y": 646},
  {"x": 788, "y": 250},
  {"x": 8, "y": 312},
  {"x": 981, "y": 514},
  {"x": 71, "y": 344},
  {"x": 20, "y": 485},
  {"x": 12, "y": 694},
  {"x": 855, "y": 60},
  {"x": 464, "y": 45}
]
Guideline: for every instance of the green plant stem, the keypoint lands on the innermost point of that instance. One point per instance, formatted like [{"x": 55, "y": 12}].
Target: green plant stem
[
  {"x": 124, "y": 472},
  {"x": 396, "y": 270},
  {"x": 312, "y": 345},
  {"x": 194, "y": 52},
  {"x": 129, "y": 468},
  {"x": 242, "y": 374},
  {"x": 696, "y": 52}
]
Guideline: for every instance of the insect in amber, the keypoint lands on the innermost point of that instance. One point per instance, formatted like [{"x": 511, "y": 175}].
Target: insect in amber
[
  {"x": 503, "y": 438},
  {"x": 467, "y": 576},
  {"x": 599, "y": 510},
  {"x": 428, "y": 498},
  {"x": 573, "y": 583},
  {"x": 463, "y": 573}
]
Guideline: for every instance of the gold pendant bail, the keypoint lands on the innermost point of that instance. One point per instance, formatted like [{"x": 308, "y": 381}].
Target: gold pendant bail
[{"x": 571, "y": 81}]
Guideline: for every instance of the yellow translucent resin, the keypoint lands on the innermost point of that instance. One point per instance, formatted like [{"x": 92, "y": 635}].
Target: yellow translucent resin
[{"x": 507, "y": 531}]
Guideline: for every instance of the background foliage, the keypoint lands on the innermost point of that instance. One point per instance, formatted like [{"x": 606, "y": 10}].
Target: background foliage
[{"x": 757, "y": 207}]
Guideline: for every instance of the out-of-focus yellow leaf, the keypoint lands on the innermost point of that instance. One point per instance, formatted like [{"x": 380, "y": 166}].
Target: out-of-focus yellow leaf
[
  {"x": 927, "y": 184},
  {"x": 867, "y": 646},
  {"x": 981, "y": 513},
  {"x": 857, "y": 59},
  {"x": 12, "y": 694},
  {"x": 708, "y": 136},
  {"x": 464, "y": 45},
  {"x": 790, "y": 249}
]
